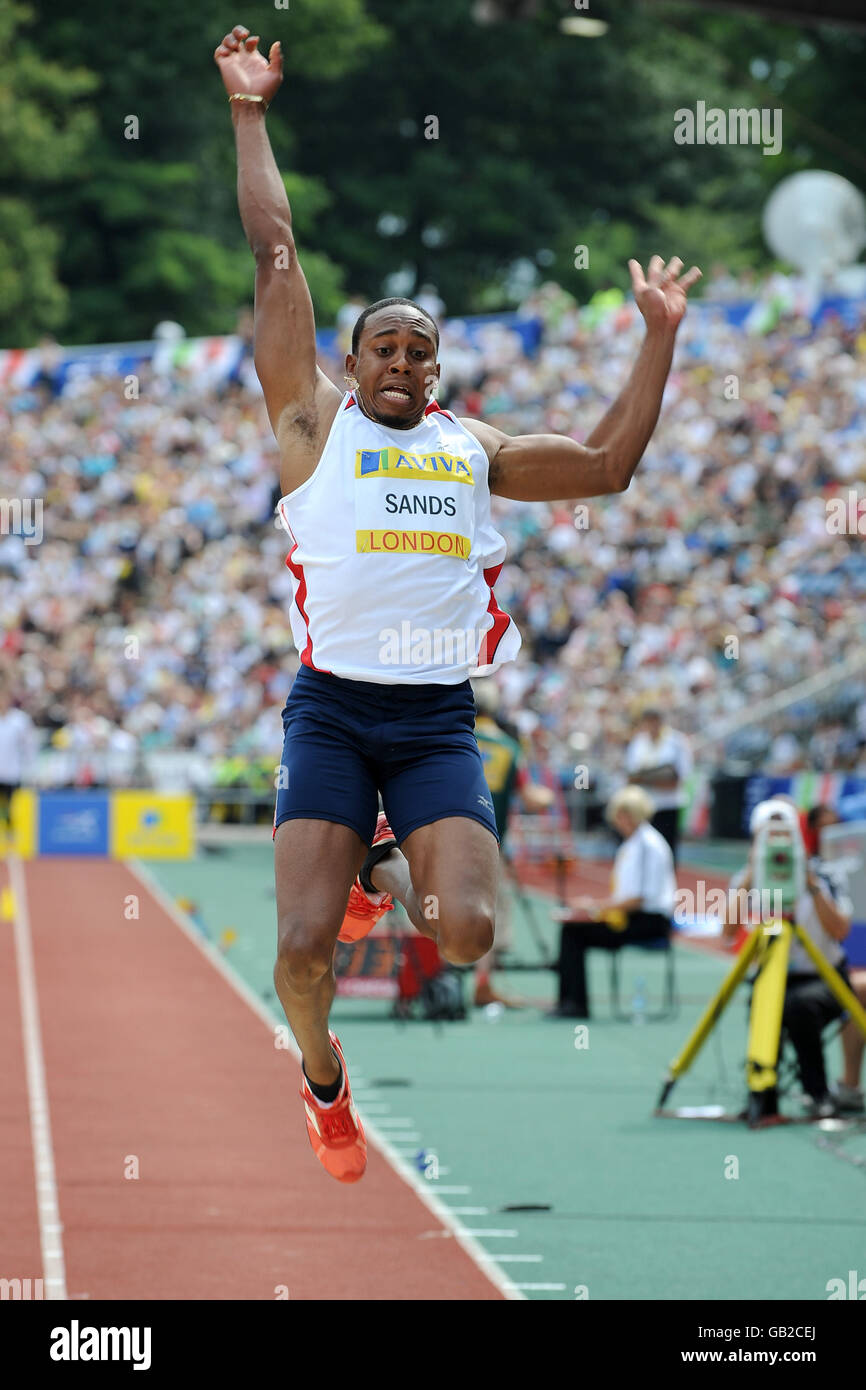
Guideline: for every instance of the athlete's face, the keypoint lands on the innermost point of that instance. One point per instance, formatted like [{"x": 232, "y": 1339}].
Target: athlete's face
[{"x": 396, "y": 367}]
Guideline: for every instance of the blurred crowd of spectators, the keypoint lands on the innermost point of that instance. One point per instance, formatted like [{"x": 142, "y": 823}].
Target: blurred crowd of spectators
[{"x": 153, "y": 614}]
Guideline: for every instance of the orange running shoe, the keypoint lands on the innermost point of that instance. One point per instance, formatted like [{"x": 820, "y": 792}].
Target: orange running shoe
[
  {"x": 366, "y": 905},
  {"x": 335, "y": 1131}
]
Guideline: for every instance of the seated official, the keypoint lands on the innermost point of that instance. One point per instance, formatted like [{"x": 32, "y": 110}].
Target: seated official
[
  {"x": 847, "y": 1092},
  {"x": 825, "y": 916},
  {"x": 640, "y": 906}
]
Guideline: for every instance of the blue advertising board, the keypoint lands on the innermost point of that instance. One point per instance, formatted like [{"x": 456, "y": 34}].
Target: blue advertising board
[
  {"x": 844, "y": 791},
  {"x": 73, "y": 823}
]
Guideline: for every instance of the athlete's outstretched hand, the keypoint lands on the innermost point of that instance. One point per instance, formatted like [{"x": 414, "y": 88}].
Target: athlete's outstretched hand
[
  {"x": 661, "y": 297},
  {"x": 244, "y": 69}
]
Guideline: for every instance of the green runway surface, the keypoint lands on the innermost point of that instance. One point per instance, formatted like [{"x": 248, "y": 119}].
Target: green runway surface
[{"x": 640, "y": 1207}]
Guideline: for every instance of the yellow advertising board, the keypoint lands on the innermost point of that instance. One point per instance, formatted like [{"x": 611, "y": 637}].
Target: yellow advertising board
[{"x": 149, "y": 825}]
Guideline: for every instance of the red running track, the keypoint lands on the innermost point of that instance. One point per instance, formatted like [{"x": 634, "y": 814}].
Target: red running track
[
  {"x": 151, "y": 1058},
  {"x": 20, "y": 1255}
]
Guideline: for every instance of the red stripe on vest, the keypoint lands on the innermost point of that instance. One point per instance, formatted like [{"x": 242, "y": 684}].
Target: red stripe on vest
[
  {"x": 434, "y": 405},
  {"x": 300, "y": 597},
  {"x": 501, "y": 620},
  {"x": 300, "y": 600}
]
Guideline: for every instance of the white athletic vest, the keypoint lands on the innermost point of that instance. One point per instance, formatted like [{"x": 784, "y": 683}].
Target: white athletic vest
[{"x": 394, "y": 555}]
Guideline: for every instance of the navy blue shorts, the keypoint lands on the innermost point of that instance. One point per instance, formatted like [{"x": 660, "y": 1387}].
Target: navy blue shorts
[{"x": 347, "y": 741}]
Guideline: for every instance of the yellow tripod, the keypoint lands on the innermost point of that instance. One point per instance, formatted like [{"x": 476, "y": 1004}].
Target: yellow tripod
[{"x": 767, "y": 945}]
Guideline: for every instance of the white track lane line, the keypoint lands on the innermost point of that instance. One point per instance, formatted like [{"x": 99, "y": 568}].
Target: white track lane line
[
  {"x": 48, "y": 1208},
  {"x": 557, "y": 1287},
  {"x": 420, "y": 1186}
]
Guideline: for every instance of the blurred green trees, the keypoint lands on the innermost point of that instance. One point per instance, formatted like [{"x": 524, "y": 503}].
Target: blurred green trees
[{"x": 418, "y": 147}]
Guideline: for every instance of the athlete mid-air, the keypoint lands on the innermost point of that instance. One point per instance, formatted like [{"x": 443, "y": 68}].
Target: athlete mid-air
[{"x": 394, "y": 556}]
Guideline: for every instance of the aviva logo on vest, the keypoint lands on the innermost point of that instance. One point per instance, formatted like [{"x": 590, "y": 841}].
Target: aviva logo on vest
[{"x": 393, "y": 463}]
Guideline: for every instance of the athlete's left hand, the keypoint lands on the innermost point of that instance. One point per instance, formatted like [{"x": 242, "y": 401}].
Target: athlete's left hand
[{"x": 661, "y": 296}]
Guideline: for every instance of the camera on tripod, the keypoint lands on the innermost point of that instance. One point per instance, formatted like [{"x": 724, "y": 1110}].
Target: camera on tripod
[
  {"x": 777, "y": 876},
  {"x": 778, "y": 859}
]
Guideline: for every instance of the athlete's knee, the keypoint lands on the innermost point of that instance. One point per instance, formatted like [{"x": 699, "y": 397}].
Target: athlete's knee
[
  {"x": 464, "y": 937},
  {"x": 303, "y": 956}
]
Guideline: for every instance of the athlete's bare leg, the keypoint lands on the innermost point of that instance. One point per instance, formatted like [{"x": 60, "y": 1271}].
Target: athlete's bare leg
[
  {"x": 315, "y": 863},
  {"x": 446, "y": 876},
  {"x": 853, "y": 1043}
]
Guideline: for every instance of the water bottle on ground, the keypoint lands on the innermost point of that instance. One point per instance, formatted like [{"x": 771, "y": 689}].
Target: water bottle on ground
[{"x": 638, "y": 1001}]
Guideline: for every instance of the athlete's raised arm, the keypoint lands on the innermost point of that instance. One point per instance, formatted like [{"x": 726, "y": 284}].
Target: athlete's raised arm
[
  {"x": 552, "y": 467},
  {"x": 298, "y": 396}
]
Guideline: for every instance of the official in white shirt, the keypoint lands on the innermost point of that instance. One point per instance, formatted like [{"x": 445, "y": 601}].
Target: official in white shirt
[
  {"x": 847, "y": 1092},
  {"x": 659, "y": 760},
  {"x": 640, "y": 906}
]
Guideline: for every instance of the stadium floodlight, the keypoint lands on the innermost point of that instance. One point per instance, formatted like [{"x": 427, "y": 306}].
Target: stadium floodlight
[{"x": 817, "y": 221}]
